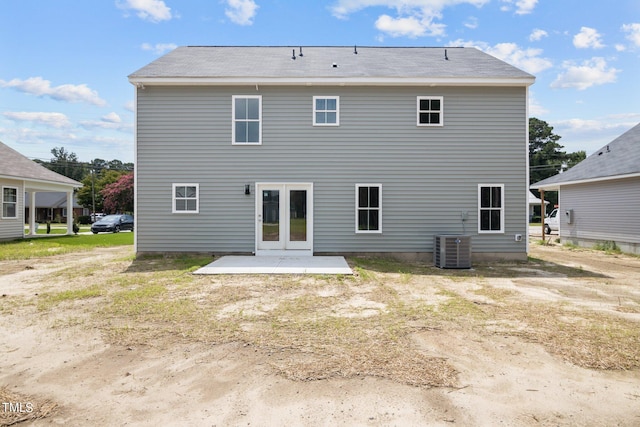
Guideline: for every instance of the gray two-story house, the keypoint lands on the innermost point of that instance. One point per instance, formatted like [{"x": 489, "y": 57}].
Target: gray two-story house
[{"x": 319, "y": 150}]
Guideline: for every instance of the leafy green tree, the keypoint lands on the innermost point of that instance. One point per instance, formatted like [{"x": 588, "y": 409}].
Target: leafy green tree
[
  {"x": 66, "y": 163},
  {"x": 546, "y": 155},
  {"x": 93, "y": 184}
]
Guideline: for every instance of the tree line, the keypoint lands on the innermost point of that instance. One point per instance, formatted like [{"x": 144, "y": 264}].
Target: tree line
[{"x": 107, "y": 184}]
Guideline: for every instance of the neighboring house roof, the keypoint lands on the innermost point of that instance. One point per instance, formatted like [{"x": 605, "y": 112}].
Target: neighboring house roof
[
  {"x": 533, "y": 200},
  {"x": 371, "y": 65},
  {"x": 14, "y": 165},
  {"x": 51, "y": 200},
  {"x": 618, "y": 159}
]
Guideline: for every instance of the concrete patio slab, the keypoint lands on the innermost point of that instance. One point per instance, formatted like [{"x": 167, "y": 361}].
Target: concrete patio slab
[{"x": 277, "y": 265}]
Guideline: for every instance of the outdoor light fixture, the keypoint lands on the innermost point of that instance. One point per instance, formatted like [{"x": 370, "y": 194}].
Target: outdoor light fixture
[{"x": 247, "y": 189}]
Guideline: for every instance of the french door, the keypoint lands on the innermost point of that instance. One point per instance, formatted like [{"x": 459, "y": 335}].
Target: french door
[{"x": 284, "y": 218}]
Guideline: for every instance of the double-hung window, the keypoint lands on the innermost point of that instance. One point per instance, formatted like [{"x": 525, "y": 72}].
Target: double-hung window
[
  {"x": 9, "y": 202},
  {"x": 368, "y": 208},
  {"x": 491, "y": 208},
  {"x": 326, "y": 110},
  {"x": 430, "y": 111},
  {"x": 247, "y": 119},
  {"x": 186, "y": 198}
]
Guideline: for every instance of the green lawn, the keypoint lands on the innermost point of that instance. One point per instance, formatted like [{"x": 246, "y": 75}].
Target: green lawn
[
  {"x": 56, "y": 229},
  {"x": 45, "y": 246}
]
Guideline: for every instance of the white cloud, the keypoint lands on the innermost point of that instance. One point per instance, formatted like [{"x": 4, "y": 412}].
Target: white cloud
[
  {"x": 471, "y": 23},
  {"x": 112, "y": 118},
  {"x": 411, "y": 27},
  {"x": 241, "y": 12},
  {"x": 69, "y": 93},
  {"x": 535, "y": 109},
  {"x": 55, "y": 120},
  {"x": 633, "y": 33},
  {"x": 414, "y": 18},
  {"x": 523, "y": 7},
  {"x": 159, "y": 48},
  {"x": 537, "y": 35},
  {"x": 588, "y": 37},
  {"x": 148, "y": 10},
  {"x": 592, "y": 72},
  {"x": 111, "y": 121},
  {"x": 527, "y": 59},
  {"x": 130, "y": 106}
]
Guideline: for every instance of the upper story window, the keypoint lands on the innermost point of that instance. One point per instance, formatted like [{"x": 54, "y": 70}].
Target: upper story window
[
  {"x": 326, "y": 110},
  {"x": 430, "y": 111},
  {"x": 186, "y": 198},
  {"x": 9, "y": 202},
  {"x": 491, "y": 208},
  {"x": 247, "y": 119},
  {"x": 368, "y": 208}
]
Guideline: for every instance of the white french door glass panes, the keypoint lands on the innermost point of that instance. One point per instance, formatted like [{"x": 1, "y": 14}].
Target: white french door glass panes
[{"x": 284, "y": 217}]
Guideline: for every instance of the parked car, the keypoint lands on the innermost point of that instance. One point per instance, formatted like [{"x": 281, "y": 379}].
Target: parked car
[
  {"x": 113, "y": 223},
  {"x": 551, "y": 222},
  {"x": 96, "y": 217}
]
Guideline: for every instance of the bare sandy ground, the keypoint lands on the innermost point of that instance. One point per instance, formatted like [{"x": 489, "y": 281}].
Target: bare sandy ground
[{"x": 502, "y": 379}]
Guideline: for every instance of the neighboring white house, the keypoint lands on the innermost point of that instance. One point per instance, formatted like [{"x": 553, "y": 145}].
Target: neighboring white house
[
  {"x": 535, "y": 203},
  {"x": 19, "y": 175},
  {"x": 321, "y": 150},
  {"x": 599, "y": 198}
]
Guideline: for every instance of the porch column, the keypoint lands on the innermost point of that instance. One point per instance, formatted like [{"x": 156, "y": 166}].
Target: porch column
[
  {"x": 32, "y": 213},
  {"x": 543, "y": 211},
  {"x": 69, "y": 212}
]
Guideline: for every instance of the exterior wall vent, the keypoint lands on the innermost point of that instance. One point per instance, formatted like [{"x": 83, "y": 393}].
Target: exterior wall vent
[{"x": 452, "y": 251}]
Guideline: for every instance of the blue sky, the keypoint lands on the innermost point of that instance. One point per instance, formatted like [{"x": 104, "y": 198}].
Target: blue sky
[{"x": 64, "y": 64}]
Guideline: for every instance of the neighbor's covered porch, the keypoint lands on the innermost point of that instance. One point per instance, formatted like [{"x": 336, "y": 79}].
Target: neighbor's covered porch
[{"x": 31, "y": 188}]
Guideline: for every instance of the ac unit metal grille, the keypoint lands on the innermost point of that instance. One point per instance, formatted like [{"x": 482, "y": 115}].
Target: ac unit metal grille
[{"x": 452, "y": 251}]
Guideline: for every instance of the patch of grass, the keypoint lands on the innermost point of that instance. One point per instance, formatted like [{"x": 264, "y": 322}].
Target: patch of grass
[
  {"x": 47, "y": 246},
  {"x": 457, "y": 307},
  {"x": 48, "y": 300},
  {"x": 584, "y": 338},
  {"x": 608, "y": 246}
]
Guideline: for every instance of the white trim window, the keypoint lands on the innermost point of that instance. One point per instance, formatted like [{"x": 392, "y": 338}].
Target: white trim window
[
  {"x": 430, "y": 111},
  {"x": 186, "y": 198},
  {"x": 368, "y": 208},
  {"x": 9, "y": 202},
  {"x": 247, "y": 119},
  {"x": 326, "y": 111},
  {"x": 491, "y": 208}
]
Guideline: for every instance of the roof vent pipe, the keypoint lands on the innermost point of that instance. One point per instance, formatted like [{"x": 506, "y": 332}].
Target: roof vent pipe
[
  {"x": 445, "y": 55},
  {"x": 301, "y": 55},
  {"x": 293, "y": 55},
  {"x": 355, "y": 50}
]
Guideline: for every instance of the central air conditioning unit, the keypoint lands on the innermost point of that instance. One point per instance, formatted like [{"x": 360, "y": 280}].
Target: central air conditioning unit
[{"x": 452, "y": 251}]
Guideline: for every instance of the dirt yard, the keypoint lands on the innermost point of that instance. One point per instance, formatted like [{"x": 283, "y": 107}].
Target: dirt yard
[{"x": 100, "y": 338}]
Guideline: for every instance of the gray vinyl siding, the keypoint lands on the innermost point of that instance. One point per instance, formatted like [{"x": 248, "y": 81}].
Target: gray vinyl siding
[
  {"x": 430, "y": 175},
  {"x": 13, "y": 228},
  {"x": 602, "y": 211}
]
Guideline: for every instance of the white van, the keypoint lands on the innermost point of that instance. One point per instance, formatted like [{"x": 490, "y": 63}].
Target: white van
[{"x": 551, "y": 222}]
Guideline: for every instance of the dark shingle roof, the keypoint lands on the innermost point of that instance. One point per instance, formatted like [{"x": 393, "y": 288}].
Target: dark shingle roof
[
  {"x": 618, "y": 158},
  {"x": 317, "y": 62},
  {"x": 15, "y": 165}
]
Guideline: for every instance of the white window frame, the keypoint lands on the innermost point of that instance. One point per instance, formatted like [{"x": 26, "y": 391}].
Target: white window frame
[
  {"x": 379, "y": 208},
  {"x": 174, "y": 199},
  {"x": 480, "y": 209},
  {"x": 13, "y": 203},
  {"x": 337, "y": 110},
  {"x": 441, "y": 111},
  {"x": 234, "y": 120}
]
